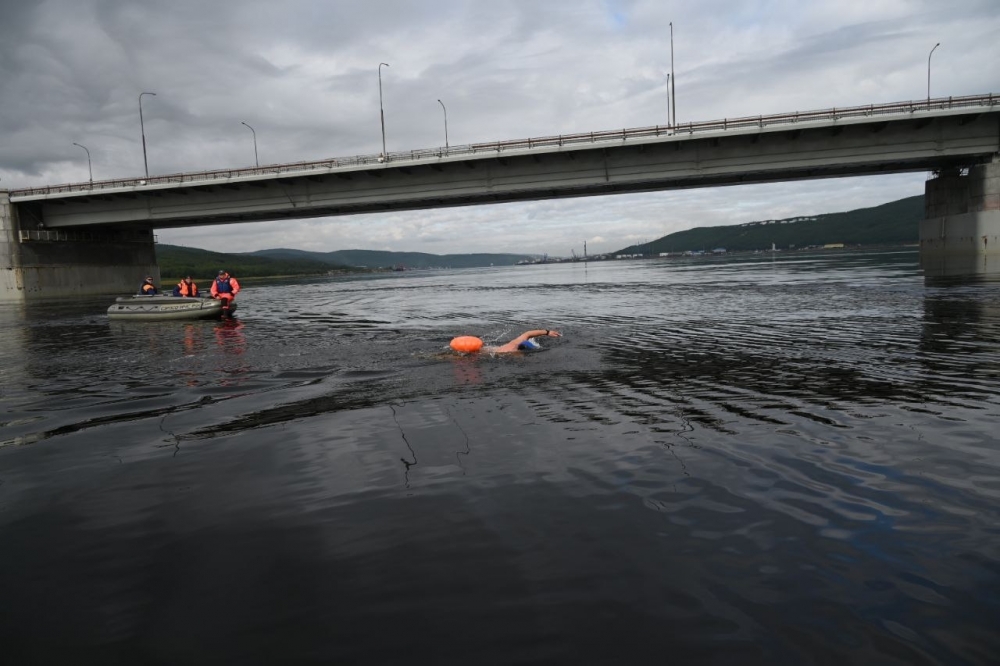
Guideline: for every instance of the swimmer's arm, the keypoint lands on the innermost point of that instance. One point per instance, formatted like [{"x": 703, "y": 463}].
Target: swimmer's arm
[
  {"x": 551, "y": 332},
  {"x": 534, "y": 333}
]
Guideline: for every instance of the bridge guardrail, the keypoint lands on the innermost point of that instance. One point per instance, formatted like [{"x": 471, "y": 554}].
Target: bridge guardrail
[
  {"x": 761, "y": 121},
  {"x": 60, "y": 235}
]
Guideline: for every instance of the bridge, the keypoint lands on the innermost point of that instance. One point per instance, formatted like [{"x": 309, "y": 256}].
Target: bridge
[{"x": 956, "y": 137}]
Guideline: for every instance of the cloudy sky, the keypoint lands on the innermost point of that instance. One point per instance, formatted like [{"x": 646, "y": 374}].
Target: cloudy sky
[{"x": 304, "y": 75}]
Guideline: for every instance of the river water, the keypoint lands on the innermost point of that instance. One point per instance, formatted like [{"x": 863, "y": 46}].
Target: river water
[{"x": 789, "y": 459}]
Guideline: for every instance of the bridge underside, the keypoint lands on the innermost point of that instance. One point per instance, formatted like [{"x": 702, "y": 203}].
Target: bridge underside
[{"x": 298, "y": 199}]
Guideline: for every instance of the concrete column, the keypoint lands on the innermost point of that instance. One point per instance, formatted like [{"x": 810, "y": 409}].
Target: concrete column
[
  {"x": 9, "y": 275},
  {"x": 67, "y": 263},
  {"x": 962, "y": 216}
]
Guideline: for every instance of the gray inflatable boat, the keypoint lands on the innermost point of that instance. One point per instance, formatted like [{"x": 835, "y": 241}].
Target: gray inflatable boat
[{"x": 162, "y": 308}]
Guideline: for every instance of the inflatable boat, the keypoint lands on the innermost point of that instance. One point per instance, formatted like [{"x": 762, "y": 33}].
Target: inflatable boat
[{"x": 159, "y": 308}]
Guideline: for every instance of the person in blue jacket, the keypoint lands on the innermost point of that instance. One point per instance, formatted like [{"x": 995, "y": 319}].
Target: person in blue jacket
[
  {"x": 225, "y": 287},
  {"x": 147, "y": 288}
]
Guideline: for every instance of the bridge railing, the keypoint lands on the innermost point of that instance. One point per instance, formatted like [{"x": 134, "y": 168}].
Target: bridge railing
[
  {"x": 475, "y": 149},
  {"x": 60, "y": 235}
]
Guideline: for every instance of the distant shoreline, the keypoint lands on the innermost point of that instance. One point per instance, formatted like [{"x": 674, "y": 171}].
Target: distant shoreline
[{"x": 567, "y": 260}]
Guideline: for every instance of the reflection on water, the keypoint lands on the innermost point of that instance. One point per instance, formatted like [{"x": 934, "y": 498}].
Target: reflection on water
[
  {"x": 784, "y": 459},
  {"x": 962, "y": 267}
]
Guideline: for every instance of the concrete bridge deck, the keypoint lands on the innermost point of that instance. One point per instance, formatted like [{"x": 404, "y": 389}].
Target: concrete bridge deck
[{"x": 874, "y": 139}]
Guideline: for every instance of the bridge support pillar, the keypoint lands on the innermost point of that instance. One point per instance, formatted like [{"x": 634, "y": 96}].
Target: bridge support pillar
[
  {"x": 37, "y": 263},
  {"x": 961, "y": 226},
  {"x": 8, "y": 250}
]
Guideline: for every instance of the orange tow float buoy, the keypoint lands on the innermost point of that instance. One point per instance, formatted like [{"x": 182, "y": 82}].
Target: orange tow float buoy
[{"x": 466, "y": 343}]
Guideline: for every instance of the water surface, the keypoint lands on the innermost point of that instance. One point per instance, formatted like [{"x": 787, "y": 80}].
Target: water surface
[{"x": 786, "y": 459}]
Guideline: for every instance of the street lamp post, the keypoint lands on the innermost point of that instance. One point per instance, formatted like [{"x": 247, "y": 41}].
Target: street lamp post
[
  {"x": 673, "y": 79},
  {"x": 668, "y": 101},
  {"x": 929, "y": 74},
  {"x": 142, "y": 127},
  {"x": 445, "y": 124},
  {"x": 381, "y": 112},
  {"x": 256, "y": 161},
  {"x": 89, "y": 167}
]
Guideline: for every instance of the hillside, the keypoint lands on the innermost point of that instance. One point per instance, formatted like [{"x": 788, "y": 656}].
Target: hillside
[
  {"x": 176, "y": 262},
  {"x": 382, "y": 259},
  {"x": 894, "y": 223}
]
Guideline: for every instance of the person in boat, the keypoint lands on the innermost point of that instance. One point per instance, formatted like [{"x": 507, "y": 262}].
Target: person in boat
[
  {"x": 147, "y": 288},
  {"x": 186, "y": 288},
  {"x": 225, "y": 287},
  {"x": 524, "y": 342}
]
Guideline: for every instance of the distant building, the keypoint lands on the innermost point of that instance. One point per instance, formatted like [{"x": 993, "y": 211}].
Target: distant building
[
  {"x": 833, "y": 246},
  {"x": 719, "y": 250}
]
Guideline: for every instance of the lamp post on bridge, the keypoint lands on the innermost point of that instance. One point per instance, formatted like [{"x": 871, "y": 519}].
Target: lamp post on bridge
[
  {"x": 929, "y": 74},
  {"x": 256, "y": 161},
  {"x": 381, "y": 112},
  {"x": 89, "y": 167},
  {"x": 142, "y": 127},
  {"x": 668, "y": 101},
  {"x": 673, "y": 79},
  {"x": 445, "y": 125}
]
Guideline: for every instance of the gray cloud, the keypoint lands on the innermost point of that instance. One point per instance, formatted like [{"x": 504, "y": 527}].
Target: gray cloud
[{"x": 304, "y": 76}]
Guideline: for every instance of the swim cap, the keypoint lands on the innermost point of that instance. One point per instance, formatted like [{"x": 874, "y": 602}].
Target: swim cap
[
  {"x": 466, "y": 343},
  {"x": 529, "y": 345}
]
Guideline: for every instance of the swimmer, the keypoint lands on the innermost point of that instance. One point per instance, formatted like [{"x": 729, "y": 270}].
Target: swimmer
[{"x": 523, "y": 342}]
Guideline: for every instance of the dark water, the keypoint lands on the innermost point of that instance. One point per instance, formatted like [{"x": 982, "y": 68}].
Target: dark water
[{"x": 788, "y": 461}]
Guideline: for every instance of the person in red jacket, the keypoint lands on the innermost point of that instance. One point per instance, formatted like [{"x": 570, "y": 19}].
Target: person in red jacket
[{"x": 225, "y": 287}]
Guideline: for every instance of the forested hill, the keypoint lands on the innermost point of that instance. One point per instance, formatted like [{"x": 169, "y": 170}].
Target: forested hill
[
  {"x": 177, "y": 262},
  {"x": 894, "y": 223},
  {"x": 382, "y": 259}
]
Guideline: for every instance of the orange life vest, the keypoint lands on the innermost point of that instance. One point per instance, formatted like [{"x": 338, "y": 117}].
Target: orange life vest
[{"x": 185, "y": 289}]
